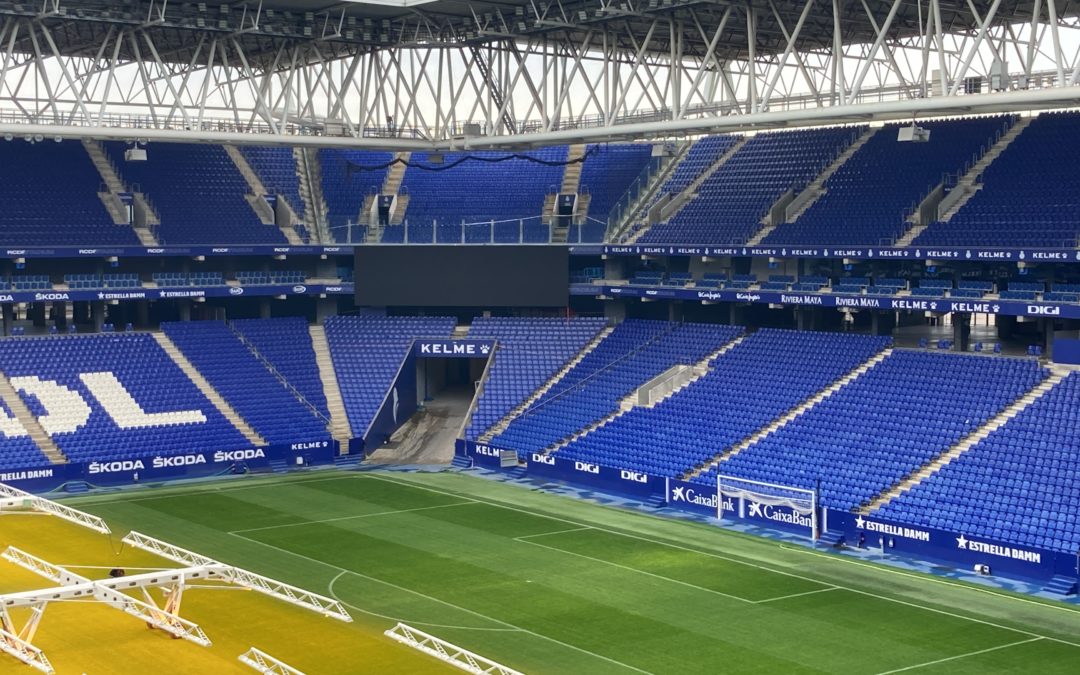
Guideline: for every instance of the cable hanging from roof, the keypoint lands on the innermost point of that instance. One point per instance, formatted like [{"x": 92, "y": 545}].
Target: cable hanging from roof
[{"x": 353, "y": 167}]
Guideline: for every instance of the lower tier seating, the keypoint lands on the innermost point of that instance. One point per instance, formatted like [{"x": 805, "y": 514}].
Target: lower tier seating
[{"x": 1018, "y": 484}]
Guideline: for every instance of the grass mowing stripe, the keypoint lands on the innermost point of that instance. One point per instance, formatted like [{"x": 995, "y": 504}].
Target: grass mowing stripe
[
  {"x": 881, "y": 567},
  {"x": 638, "y": 571},
  {"x": 742, "y": 562},
  {"x": 411, "y": 622},
  {"x": 548, "y": 534},
  {"x": 343, "y": 518},
  {"x": 172, "y": 492},
  {"x": 448, "y": 604},
  {"x": 961, "y": 656}
]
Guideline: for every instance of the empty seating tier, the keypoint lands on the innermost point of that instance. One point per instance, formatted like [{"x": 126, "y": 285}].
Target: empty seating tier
[
  {"x": 1017, "y": 484},
  {"x": 529, "y": 353},
  {"x": 198, "y": 193},
  {"x": 113, "y": 397},
  {"x": 862, "y": 439},
  {"x": 257, "y": 395},
  {"x": 749, "y": 386},
  {"x": 631, "y": 355}
]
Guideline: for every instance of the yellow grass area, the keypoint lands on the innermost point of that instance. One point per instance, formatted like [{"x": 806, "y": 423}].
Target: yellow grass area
[{"x": 92, "y": 638}]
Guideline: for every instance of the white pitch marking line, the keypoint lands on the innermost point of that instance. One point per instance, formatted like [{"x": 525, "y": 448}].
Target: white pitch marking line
[
  {"x": 961, "y": 656},
  {"x": 634, "y": 569},
  {"x": 174, "y": 492},
  {"x": 737, "y": 561},
  {"x": 448, "y": 604},
  {"x": 798, "y": 595},
  {"x": 548, "y": 534},
  {"x": 411, "y": 622},
  {"x": 362, "y": 515}
]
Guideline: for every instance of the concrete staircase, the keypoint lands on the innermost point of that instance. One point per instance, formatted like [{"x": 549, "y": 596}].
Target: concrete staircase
[
  {"x": 41, "y": 439},
  {"x": 208, "y": 391},
  {"x": 339, "y": 419},
  {"x": 690, "y": 193},
  {"x": 805, "y": 199},
  {"x": 630, "y": 402},
  {"x": 396, "y": 174},
  {"x": 967, "y": 186},
  {"x": 965, "y": 444},
  {"x": 257, "y": 199},
  {"x": 637, "y": 213},
  {"x": 792, "y": 414},
  {"x": 501, "y": 425},
  {"x": 571, "y": 181},
  {"x": 309, "y": 171},
  {"x": 110, "y": 196}
]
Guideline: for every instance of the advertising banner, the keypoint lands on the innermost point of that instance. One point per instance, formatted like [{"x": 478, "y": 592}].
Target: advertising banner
[
  {"x": 606, "y": 478},
  {"x": 156, "y": 467}
]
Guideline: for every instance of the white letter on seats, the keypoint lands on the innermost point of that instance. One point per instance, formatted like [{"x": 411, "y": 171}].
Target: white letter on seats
[
  {"x": 65, "y": 410},
  {"x": 126, "y": 411},
  {"x": 11, "y": 427}
]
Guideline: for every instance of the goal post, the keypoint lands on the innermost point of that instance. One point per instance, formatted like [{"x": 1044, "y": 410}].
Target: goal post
[{"x": 779, "y": 505}]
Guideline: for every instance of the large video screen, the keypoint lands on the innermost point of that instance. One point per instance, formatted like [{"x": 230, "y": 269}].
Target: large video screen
[{"x": 462, "y": 276}]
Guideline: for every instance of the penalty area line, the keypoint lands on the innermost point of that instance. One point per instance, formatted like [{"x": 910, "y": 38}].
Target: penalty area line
[
  {"x": 961, "y": 656},
  {"x": 405, "y": 589},
  {"x": 356, "y": 517}
]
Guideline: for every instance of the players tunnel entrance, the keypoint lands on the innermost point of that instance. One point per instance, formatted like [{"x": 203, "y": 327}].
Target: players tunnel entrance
[{"x": 438, "y": 375}]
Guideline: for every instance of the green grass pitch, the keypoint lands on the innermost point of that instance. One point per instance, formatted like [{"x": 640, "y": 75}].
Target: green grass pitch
[{"x": 548, "y": 584}]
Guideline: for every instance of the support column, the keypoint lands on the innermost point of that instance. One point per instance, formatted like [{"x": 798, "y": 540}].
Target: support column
[
  {"x": 264, "y": 308},
  {"x": 37, "y": 314},
  {"x": 961, "y": 325},
  {"x": 324, "y": 308},
  {"x": 97, "y": 315},
  {"x": 9, "y": 319},
  {"x": 142, "y": 313},
  {"x": 184, "y": 310}
]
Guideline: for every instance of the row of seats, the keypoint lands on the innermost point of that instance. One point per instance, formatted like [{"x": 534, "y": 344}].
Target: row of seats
[
  {"x": 634, "y": 353},
  {"x": 529, "y": 352}
]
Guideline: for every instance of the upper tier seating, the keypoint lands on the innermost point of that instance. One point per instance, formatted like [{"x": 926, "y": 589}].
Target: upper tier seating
[
  {"x": 732, "y": 202},
  {"x": 951, "y": 395},
  {"x": 701, "y": 155},
  {"x": 476, "y": 191},
  {"x": 1018, "y": 484},
  {"x": 749, "y": 386},
  {"x": 345, "y": 185},
  {"x": 276, "y": 168},
  {"x": 144, "y": 372},
  {"x": 197, "y": 192},
  {"x": 877, "y": 188},
  {"x": 367, "y": 352},
  {"x": 632, "y": 354},
  {"x": 1030, "y": 194},
  {"x": 606, "y": 176},
  {"x": 286, "y": 344},
  {"x": 50, "y": 198},
  {"x": 529, "y": 353},
  {"x": 259, "y": 397}
]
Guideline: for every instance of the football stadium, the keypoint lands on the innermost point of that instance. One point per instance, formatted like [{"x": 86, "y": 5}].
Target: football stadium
[{"x": 539, "y": 336}]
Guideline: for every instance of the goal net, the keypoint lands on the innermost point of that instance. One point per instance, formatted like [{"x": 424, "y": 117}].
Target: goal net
[{"x": 783, "y": 505}]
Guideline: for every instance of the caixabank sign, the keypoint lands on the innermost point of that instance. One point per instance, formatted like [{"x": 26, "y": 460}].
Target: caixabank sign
[{"x": 158, "y": 467}]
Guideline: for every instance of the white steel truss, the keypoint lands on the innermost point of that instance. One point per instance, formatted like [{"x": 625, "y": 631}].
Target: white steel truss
[
  {"x": 264, "y": 663},
  {"x": 446, "y": 652},
  {"x": 521, "y": 72},
  {"x": 241, "y": 577},
  {"x": 11, "y": 497}
]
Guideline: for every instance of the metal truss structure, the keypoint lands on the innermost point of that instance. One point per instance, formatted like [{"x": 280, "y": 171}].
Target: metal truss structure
[
  {"x": 422, "y": 74},
  {"x": 456, "y": 656},
  {"x": 264, "y": 663},
  {"x": 15, "y": 498},
  {"x": 70, "y": 586}
]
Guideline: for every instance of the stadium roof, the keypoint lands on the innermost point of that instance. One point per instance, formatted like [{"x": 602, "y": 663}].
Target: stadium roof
[{"x": 79, "y": 28}]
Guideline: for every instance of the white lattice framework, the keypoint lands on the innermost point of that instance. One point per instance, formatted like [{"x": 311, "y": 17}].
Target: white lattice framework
[
  {"x": 264, "y": 663},
  {"x": 446, "y": 652},
  {"x": 14, "y": 498},
  {"x": 759, "y": 494},
  {"x": 241, "y": 577}
]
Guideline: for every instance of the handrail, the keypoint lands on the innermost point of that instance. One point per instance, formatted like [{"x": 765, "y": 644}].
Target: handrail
[{"x": 276, "y": 373}]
